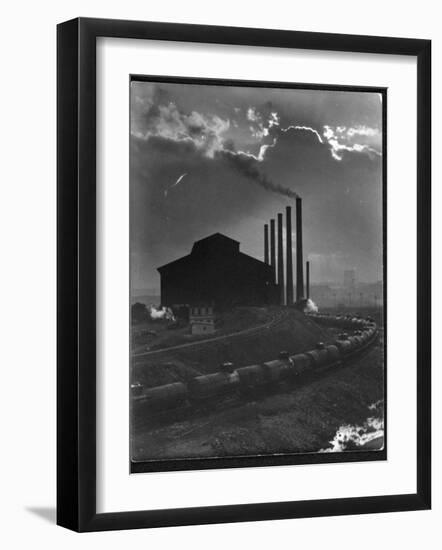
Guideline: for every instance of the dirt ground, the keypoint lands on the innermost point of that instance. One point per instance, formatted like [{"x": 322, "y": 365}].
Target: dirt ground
[{"x": 301, "y": 419}]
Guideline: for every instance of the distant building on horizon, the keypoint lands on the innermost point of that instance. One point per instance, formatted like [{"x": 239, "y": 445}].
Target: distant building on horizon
[
  {"x": 350, "y": 278},
  {"x": 361, "y": 295}
]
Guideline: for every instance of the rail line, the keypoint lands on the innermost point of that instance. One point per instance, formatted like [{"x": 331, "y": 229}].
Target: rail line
[{"x": 246, "y": 332}]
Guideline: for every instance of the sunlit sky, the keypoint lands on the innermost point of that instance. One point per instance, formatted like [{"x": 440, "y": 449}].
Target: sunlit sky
[{"x": 207, "y": 159}]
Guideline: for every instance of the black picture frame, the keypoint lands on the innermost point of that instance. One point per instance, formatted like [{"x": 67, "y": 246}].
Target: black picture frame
[{"x": 76, "y": 274}]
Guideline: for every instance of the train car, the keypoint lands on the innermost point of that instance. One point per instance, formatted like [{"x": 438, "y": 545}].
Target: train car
[
  {"x": 360, "y": 340},
  {"x": 169, "y": 396},
  {"x": 355, "y": 343},
  {"x": 344, "y": 346},
  {"x": 334, "y": 355},
  {"x": 137, "y": 390},
  {"x": 299, "y": 363},
  {"x": 318, "y": 356},
  {"x": 251, "y": 377},
  {"x": 367, "y": 335},
  {"x": 277, "y": 370},
  {"x": 213, "y": 385}
]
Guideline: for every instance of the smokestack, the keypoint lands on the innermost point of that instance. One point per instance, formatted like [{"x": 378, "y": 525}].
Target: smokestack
[
  {"x": 307, "y": 281},
  {"x": 299, "y": 260},
  {"x": 280, "y": 262},
  {"x": 289, "y": 254},
  {"x": 272, "y": 249},
  {"x": 266, "y": 243}
]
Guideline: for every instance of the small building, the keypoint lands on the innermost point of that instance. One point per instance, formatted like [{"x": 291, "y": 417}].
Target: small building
[{"x": 202, "y": 319}]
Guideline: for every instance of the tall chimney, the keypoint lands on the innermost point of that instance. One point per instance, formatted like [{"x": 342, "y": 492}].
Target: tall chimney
[
  {"x": 266, "y": 243},
  {"x": 307, "y": 281},
  {"x": 289, "y": 256},
  {"x": 272, "y": 249},
  {"x": 299, "y": 260},
  {"x": 280, "y": 262}
]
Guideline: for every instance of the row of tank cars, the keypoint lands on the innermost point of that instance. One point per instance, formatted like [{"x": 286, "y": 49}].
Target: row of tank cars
[{"x": 252, "y": 379}]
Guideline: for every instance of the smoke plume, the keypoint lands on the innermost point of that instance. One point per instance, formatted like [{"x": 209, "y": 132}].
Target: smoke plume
[
  {"x": 350, "y": 437},
  {"x": 161, "y": 313},
  {"x": 246, "y": 165},
  {"x": 310, "y": 307}
]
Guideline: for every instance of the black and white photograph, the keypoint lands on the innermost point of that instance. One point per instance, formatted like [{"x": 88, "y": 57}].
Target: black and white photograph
[{"x": 257, "y": 271}]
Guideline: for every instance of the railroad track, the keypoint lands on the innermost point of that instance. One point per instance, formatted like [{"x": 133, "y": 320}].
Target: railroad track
[{"x": 239, "y": 334}]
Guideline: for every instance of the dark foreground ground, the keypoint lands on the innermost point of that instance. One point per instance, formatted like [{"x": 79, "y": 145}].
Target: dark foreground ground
[{"x": 297, "y": 420}]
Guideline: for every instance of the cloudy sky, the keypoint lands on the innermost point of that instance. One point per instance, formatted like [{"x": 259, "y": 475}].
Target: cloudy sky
[{"x": 208, "y": 159}]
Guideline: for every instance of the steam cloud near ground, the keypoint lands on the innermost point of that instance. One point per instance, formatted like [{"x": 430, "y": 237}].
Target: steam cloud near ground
[
  {"x": 161, "y": 313},
  {"x": 310, "y": 307},
  {"x": 349, "y": 437}
]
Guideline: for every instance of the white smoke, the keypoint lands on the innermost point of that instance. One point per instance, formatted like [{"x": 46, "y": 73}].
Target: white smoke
[
  {"x": 349, "y": 436},
  {"x": 310, "y": 307},
  {"x": 161, "y": 313}
]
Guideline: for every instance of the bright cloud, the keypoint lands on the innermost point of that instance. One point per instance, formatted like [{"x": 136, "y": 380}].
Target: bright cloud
[
  {"x": 252, "y": 115},
  {"x": 307, "y": 128},
  {"x": 209, "y": 132},
  {"x": 362, "y": 131},
  {"x": 274, "y": 119},
  {"x": 206, "y": 132},
  {"x": 340, "y": 140}
]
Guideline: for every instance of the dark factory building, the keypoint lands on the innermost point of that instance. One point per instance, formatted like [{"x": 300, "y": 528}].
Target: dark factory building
[{"x": 216, "y": 272}]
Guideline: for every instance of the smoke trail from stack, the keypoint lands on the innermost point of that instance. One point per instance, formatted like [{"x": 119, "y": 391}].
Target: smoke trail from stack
[{"x": 246, "y": 166}]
